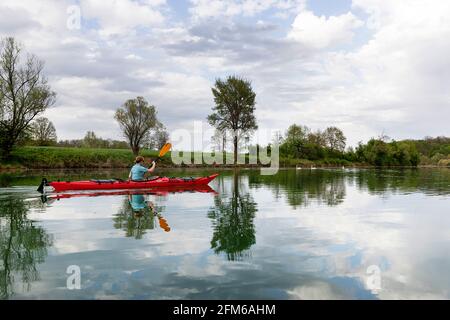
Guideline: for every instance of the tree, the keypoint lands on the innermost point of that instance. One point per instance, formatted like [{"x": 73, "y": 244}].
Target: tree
[
  {"x": 43, "y": 132},
  {"x": 334, "y": 139},
  {"x": 296, "y": 132},
  {"x": 234, "y": 108},
  {"x": 219, "y": 141},
  {"x": 91, "y": 140},
  {"x": 158, "y": 138},
  {"x": 24, "y": 93},
  {"x": 295, "y": 141},
  {"x": 136, "y": 118},
  {"x": 317, "y": 138}
]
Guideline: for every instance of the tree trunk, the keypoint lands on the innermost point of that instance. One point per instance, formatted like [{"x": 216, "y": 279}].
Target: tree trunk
[
  {"x": 235, "y": 143},
  {"x": 6, "y": 149},
  {"x": 224, "y": 142},
  {"x": 135, "y": 150}
]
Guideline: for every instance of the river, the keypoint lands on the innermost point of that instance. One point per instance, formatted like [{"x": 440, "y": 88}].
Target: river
[{"x": 301, "y": 234}]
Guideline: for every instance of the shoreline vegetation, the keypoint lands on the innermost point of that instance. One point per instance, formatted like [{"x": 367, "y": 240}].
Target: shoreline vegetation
[{"x": 33, "y": 157}]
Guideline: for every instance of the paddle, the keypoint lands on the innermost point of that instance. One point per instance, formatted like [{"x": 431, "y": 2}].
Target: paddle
[{"x": 163, "y": 151}]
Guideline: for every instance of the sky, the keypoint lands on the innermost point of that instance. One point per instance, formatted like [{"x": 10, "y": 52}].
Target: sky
[{"x": 369, "y": 67}]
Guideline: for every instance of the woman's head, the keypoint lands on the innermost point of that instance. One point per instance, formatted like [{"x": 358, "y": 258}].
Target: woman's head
[{"x": 139, "y": 159}]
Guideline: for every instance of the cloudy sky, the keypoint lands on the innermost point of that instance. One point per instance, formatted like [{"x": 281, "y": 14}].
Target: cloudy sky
[{"x": 366, "y": 66}]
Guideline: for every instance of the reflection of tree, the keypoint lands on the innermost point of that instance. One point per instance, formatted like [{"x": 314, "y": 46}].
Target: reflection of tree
[
  {"x": 22, "y": 246},
  {"x": 234, "y": 231},
  {"x": 433, "y": 181},
  {"x": 134, "y": 222},
  {"x": 325, "y": 186}
]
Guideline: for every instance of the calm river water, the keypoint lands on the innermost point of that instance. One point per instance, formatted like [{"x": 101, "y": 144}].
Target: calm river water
[{"x": 301, "y": 234}]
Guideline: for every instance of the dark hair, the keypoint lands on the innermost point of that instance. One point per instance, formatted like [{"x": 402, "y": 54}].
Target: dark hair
[{"x": 139, "y": 159}]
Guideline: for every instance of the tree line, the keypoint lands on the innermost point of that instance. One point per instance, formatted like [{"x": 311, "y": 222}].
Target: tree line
[{"x": 300, "y": 142}]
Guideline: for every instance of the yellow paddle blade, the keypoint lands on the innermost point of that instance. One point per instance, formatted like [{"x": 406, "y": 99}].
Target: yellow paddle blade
[{"x": 165, "y": 149}]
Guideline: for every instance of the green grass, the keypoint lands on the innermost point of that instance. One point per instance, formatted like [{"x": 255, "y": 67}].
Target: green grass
[
  {"x": 90, "y": 158},
  {"x": 57, "y": 157}
]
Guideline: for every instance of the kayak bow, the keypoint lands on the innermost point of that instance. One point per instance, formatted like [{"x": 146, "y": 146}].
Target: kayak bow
[{"x": 114, "y": 184}]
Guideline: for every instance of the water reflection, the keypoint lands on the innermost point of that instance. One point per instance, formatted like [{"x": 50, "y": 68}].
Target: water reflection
[
  {"x": 137, "y": 215},
  {"x": 232, "y": 217},
  {"x": 377, "y": 181},
  {"x": 317, "y": 233},
  {"x": 302, "y": 187},
  {"x": 23, "y": 245}
]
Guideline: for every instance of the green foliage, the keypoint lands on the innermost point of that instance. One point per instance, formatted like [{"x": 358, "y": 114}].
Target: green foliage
[
  {"x": 433, "y": 151},
  {"x": 301, "y": 143},
  {"x": 380, "y": 153}
]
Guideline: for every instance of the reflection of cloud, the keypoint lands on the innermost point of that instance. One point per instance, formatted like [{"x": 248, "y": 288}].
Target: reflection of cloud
[
  {"x": 315, "y": 291},
  {"x": 406, "y": 237},
  {"x": 192, "y": 266}
]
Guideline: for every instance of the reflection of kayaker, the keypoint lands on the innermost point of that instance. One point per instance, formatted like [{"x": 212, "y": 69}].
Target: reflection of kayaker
[
  {"x": 162, "y": 222},
  {"x": 139, "y": 204}
]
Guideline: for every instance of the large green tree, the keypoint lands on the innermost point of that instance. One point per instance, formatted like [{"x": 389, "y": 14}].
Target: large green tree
[
  {"x": 24, "y": 93},
  {"x": 158, "y": 137},
  {"x": 136, "y": 118},
  {"x": 43, "y": 132},
  {"x": 234, "y": 108},
  {"x": 334, "y": 139}
]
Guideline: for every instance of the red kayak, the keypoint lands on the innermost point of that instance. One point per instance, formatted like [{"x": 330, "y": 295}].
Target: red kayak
[
  {"x": 114, "y": 184},
  {"x": 161, "y": 191}
]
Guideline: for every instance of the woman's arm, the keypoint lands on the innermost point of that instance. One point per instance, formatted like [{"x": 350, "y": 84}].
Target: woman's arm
[{"x": 152, "y": 168}]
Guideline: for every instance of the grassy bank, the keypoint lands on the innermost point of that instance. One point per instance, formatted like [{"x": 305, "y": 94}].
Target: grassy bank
[
  {"x": 91, "y": 158},
  {"x": 57, "y": 157}
]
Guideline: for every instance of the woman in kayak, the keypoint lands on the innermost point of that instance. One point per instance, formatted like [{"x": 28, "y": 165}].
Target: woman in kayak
[{"x": 138, "y": 171}]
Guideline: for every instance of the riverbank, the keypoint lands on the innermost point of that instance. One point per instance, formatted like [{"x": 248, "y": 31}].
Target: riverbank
[
  {"x": 26, "y": 158},
  {"x": 91, "y": 158}
]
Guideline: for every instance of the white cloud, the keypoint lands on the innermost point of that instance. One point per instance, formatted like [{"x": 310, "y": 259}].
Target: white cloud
[
  {"x": 202, "y": 9},
  {"x": 321, "y": 32},
  {"x": 119, "y": 17}
]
